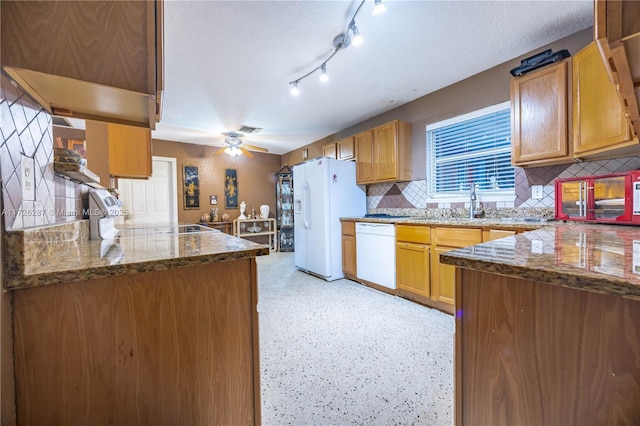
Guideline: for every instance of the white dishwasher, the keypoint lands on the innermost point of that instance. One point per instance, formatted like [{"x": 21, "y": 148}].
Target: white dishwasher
[{"x": 376, "y": 253}]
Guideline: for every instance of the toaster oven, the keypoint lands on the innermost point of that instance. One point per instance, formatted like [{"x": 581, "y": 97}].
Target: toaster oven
[{"x": 611, "y": 198}]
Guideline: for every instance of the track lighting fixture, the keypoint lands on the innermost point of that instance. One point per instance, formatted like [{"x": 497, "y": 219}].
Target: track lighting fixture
[
  {"x": 357, "y": 38},
  {"x": 324, "y": 76},
  {"x": 379, "y": 8},
  {"x": 350, "y": 36},
  {"x": 294, "y": 88}
]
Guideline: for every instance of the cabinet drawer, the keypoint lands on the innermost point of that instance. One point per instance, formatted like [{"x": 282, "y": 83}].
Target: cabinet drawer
[
  {"x": 494, "y": 234},
  {"x": 413, "y": 234},
  {"x": 349, "y": 228},
  {"x": 456, "y": 237}
]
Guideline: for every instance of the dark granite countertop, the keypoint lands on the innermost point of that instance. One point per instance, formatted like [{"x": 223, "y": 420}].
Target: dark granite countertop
[
  {"x": 599, "y": 258},
  {"x": 63, "y": 253}
]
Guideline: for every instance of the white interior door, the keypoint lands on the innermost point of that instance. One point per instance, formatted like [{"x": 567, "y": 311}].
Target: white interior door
[{"x": 153, "y": 200}]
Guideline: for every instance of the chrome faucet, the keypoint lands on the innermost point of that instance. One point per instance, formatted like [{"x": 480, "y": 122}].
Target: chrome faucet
[{"x": 473, "y": 210}]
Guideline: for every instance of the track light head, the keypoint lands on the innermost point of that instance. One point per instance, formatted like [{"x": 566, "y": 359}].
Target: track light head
[
  {"x": 324, "y": 77},
  {"x": 294, "y": 88},
  {"x": 357, "y": 38},
  {"x": 379, "y": 8}
]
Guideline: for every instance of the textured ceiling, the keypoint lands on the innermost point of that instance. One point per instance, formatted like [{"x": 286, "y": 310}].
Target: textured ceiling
[{"x": 228, "y": 63}]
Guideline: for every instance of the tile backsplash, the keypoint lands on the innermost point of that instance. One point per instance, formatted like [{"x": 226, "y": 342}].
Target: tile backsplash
[
  {"x": 26, "y": 130},
  {"x": 413, "y": 195}
]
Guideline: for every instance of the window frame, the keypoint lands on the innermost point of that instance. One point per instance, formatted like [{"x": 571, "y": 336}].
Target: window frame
[{"x": 503, "y": 195}]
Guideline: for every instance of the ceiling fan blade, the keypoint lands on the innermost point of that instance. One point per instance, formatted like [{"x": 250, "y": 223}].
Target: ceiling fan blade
[
  {"x": 220, "y": 151},
  {"x": 247, "y": 153},
  {"x": 256, "y": 148}
]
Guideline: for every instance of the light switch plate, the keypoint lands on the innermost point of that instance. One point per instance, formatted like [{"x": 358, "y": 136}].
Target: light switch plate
[
  {"x": 537, "y": 192},
  {"x": 28, "y": 179}
]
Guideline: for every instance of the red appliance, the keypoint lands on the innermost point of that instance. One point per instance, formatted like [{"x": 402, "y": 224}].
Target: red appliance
[{"x": 612, "y": 198}]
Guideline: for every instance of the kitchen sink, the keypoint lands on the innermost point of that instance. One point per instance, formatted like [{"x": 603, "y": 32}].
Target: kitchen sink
[{"x": 525, "y": 219}]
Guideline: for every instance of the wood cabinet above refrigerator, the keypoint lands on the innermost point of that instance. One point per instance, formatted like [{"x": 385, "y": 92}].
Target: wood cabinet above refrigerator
[{"x": 94, "y": 60}]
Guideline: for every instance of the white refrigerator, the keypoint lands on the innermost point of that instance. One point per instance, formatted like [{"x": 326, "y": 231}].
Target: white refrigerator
[{"x": 324, "y": 191}]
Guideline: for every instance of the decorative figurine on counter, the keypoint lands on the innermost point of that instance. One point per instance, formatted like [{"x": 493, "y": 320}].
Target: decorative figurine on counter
[
  {"x": 214, "y": 215},
  {"x": 225, "y": 217},
  {"x": 243, "y": 208},
  {"x": 205, "y": 218}
]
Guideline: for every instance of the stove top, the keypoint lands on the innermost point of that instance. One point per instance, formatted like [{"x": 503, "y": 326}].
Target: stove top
[{"x": 164, "y": 230}]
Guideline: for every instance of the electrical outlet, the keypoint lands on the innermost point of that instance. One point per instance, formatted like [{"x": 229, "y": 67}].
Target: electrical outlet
[
  {"x": 28, "y": 179},
  {"x": 537, "y": 192}
]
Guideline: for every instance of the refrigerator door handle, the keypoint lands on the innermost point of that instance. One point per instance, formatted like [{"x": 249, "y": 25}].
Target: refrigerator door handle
[{"x": 305, "y": 202}]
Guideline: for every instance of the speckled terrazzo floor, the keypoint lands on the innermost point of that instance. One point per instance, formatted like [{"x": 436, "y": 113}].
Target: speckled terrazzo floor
[{"x": 339, "y": 353}]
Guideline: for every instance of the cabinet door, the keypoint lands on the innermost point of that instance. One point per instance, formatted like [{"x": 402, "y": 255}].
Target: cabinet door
[
  {"x": 345, "y": 149},
  {"x": 349, "y": 249},
  {"x": 129, "y": 151},
  {"x": 617, "y": 33},
  {"x": 539, "y": 124},
  {"x": 412, "y": 268},
  {"x": 364, "y": 154},
  {"x": 385, "y": 149},
  {"x": 599, "y": 121},
  {"x": 329, "y": 150},
  {"x": 443, "y": 278},
  {"x": 349, "y": 256}
]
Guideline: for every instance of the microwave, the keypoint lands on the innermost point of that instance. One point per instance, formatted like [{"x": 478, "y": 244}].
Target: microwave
[{"x": 611, "y": 198}]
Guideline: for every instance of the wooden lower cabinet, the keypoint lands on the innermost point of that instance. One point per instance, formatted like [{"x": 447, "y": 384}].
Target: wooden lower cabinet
[
  {"x": 443, "y": 278},
  {"x": 532, "y": 353},
  {"x": 349, "y": 249},
  {"x": 443, "y": 281},
  {"x": 413, "y": 263},
  {"x": 178, "y": 346}
]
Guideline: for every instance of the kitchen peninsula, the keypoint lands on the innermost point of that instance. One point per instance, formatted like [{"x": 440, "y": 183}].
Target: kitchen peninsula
[
  {"x": 156, "y": 329},
  {"x": 548, "y": 327}
]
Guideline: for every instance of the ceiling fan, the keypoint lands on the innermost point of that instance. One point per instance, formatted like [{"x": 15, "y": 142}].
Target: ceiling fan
[{"x": 234, "y": 146}]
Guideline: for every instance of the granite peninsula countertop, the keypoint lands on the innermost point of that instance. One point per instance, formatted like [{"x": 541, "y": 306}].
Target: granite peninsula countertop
[
  {"x": 599, "y": 258},
  {"x": 63, "y": 253}
]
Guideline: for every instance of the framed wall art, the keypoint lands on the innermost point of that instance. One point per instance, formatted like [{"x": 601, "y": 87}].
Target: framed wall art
[
  {"x": 191, "y": 187},
  {"x": 231, "y": 189},
  {"x": 213, "y": 200}
]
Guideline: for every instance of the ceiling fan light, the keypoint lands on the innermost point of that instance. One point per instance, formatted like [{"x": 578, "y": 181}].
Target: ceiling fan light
[
  {"x": 294, "y": 88},
  {"x": 324, "y": 77},
  {"x": 379, "y": 8},
  {"x": 233, "y": 151},
  {"x": 357, "y": 38}
]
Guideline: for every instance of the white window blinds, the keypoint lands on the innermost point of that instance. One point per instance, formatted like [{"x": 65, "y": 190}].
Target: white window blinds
[{"x": 474, "y": 147}]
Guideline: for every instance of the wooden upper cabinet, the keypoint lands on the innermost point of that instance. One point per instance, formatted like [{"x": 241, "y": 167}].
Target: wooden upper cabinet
[
  {"x": 93, "y": 60},
  {"x": 346, "y": 149},
  {"x": 129, "y": 151},
  {"x": 617, "y": 34},
  {"x": 539, "y": 117},
  {"x": 383, "y": 154},
  {"x": 386, "y": 151},
  {"x": 364, "y": 156},
  {"x": 600, "y": 128},
  {"x": 329, "y": 150}
]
